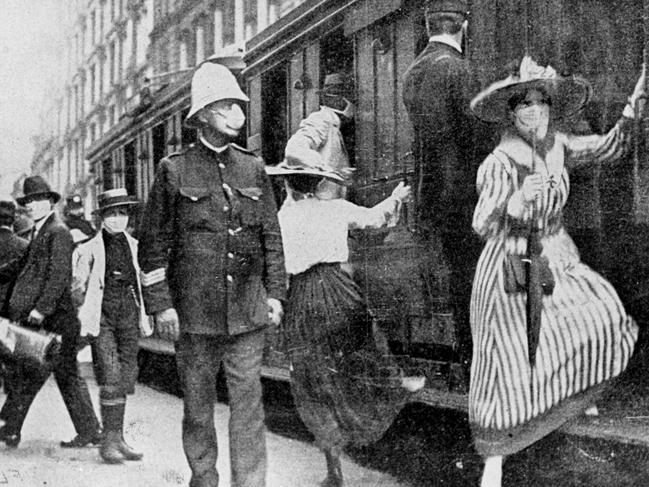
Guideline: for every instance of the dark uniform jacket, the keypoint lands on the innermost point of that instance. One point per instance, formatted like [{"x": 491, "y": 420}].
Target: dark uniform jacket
[
  {"x": 211, "y": 222},
  {"x": 450, "y": 143},
  {"x": 43, "y": 277},
  {"x": 11, "y": 248}
]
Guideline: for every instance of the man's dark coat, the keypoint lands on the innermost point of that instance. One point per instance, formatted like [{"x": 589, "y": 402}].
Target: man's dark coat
[{"x": 12, "y": 248}]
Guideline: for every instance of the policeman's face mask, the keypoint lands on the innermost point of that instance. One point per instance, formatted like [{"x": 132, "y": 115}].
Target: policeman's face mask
[
  {"x": 339, "y": 104},
  {"x": 229, "y": 118},
  {"x": 39, "y": 209},
  {"x": 115, "y": 221},
  {"x": 532, "y": 116}
]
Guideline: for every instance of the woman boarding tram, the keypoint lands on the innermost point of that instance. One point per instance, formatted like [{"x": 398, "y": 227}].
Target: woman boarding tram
[
  {"x": 346, "y": 390},
  {"x": 585, "y": 337}
]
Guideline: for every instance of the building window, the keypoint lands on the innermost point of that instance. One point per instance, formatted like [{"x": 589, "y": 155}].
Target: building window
[
  {"x": 107, "y": 174},
  {"x": 93, "y": 28},
  {"x": 112, "y": 10},
  {"x": 218, "y": 29},
  {"x": 184, "y": 55},
  {"x": 200, "y": 43},
  {"x": 111, "y": 60},
  {"x": 249, "y": 18},
  {"x": 228, "y": 27},
  {"x": 92, "y": 84}
]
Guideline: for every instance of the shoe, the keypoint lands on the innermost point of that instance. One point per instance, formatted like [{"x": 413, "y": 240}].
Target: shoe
[
  {"x": 83, "y": 441},
  {"x": 128, "y": 452},
  {"x": 110, "y": 448},
  {"x": 10, "y": 439}
]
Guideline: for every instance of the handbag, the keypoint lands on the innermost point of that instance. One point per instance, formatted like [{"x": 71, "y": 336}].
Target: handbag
[
  {"x": 515, "y": 273},
  {"x": 20, "y": 344}
]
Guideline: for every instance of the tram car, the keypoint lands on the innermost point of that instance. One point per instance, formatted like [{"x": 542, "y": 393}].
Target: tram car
[{"x": 406, "y": 284}]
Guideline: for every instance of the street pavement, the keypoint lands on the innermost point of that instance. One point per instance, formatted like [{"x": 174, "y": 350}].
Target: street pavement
[{"x": 152, "y": 425}]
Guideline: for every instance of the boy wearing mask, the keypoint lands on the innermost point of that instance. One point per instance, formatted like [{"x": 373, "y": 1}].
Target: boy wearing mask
[{"x": 106, "y": 291}]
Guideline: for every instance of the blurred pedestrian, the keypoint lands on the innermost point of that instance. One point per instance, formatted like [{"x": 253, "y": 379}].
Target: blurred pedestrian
[
  {"x": 80, "y": 228},
  {"x": 106, "y": 290}
]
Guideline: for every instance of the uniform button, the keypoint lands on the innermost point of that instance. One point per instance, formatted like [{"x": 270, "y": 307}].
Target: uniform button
[
  {"x": 230, "y": 231},
  {"x": 226, "y": 186},
  {"x": 226, "y": 208},
  {"x": 221, "y": 165},
  {"x": 230, "y": 255},
  {"x": 229, "y": 278}
]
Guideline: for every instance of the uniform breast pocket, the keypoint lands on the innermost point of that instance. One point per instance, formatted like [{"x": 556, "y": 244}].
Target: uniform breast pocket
[
  {"x": 248, "y": 205},
  {"x": 195, "y": 205}
]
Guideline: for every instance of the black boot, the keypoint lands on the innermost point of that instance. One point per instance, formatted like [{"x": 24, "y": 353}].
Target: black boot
[
  {"x": 124, "y": 448},
  {"x": 112, "y": 418},
  {"x": 334, "y": 471}
]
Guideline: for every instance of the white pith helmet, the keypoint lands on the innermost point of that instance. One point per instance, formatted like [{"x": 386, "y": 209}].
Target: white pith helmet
[{"x": 212, "y": 82}]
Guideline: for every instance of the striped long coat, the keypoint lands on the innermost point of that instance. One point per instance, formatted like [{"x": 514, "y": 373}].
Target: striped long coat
[{"x": 586, "y": 336}]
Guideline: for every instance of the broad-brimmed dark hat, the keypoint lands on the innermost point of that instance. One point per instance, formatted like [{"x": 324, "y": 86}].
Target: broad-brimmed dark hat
[
  {"x": 7, "y": 209},
  {"x": 113, "y": 198},
  {"x": 35, "y": 187},
  {"x": 304, "y": 165},
  {"x": 567, "y": 93},
  {"x": 456, "y": 6}
]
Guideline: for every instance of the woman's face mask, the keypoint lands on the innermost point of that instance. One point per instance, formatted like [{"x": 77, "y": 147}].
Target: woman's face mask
[
  {"x": 115, "y": 222},
  {"x": 532, "y": 116},
  {"x": 38, "y": 209}
]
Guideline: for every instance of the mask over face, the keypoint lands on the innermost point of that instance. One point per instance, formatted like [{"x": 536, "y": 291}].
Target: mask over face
[
  {"x": 348, "y": 111},
  {"x": 39, "y": 209},
  {"x": 230, "y": 119},
  {"x": 532, "y": 121},
  {"x": 115, "y": 223}
]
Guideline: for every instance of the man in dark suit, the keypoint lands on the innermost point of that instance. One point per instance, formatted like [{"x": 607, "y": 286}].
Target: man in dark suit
[
  {"x": 449, "y": 146},
  {"x": 41, "y": 299},
  {"x": 11, "y": 248},
  {"x": 213, "y": 275}
]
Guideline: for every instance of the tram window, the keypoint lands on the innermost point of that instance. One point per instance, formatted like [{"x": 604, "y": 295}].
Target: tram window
[
  {"x": 188, "y": 135},
  {"x": 130, "y": 168},
  {"x": 337, "y": 55},
  {"x": 107, "y": 174},
  {"x": 159, "y": 141},
  {"x": 274, "y": 104}
]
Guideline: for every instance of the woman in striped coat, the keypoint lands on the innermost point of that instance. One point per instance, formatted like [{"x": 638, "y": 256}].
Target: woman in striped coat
[{"x": 586, "y": 337}]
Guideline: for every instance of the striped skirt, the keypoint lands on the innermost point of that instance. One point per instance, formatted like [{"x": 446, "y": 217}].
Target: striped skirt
[
  {"x": 347, "y": 390},
  {"x": 586, "y": 338}
]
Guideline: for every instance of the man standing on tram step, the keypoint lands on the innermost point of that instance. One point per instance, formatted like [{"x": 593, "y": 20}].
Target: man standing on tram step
[
  {"x": 80, "y": 228},
  {"x": 106, "y": 290},
  {"x": 41, "y": 298},
  {"x": 320, "y": 139},
  {"x": 213, "y": 276},
  {"x": 438, "y": 87}
]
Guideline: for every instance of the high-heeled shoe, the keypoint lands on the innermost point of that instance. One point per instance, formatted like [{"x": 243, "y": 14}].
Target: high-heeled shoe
[{"x": 10, "y": 439}]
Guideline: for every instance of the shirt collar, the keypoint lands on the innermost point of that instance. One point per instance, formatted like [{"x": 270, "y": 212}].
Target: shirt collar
[
  {"x": 39, "y": 224},
  {"x": 212, "y": 147},
  {"x": 446, "y": 39}
]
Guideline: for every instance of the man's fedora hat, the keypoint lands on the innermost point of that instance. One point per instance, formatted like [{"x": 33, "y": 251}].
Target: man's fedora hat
[
  {"x": 568, "y": 94},
  {"x": 36, "y": 187},
  {"x": 113, "y": 198},
  {"x": 438, "y": 6}
]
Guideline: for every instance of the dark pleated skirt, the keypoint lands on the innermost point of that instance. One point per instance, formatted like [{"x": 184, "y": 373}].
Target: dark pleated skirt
[{"x": 346, "y": 389}]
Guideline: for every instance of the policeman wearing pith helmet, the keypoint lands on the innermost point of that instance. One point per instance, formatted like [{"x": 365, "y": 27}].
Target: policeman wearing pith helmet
[{"x": 213, "y": 275}]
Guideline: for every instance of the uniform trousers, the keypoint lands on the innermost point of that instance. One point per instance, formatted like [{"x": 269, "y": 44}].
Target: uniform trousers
[
  {"x": 26, "y": 380},
  {"x": 199, "y": 357}
]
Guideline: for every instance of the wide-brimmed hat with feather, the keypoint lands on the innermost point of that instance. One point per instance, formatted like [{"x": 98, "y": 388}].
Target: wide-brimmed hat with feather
[{"x": 567, "y": 93}]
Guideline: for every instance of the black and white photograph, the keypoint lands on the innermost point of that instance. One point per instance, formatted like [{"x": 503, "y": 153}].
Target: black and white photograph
[{"x": 324, "y": 243}]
